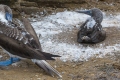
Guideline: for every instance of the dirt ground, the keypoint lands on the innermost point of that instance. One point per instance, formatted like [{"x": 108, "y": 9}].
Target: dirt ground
[{"x": 107, "y": 68}]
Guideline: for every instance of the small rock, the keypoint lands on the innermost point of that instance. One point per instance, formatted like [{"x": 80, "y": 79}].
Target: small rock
[{"x": 116, "y": 65}]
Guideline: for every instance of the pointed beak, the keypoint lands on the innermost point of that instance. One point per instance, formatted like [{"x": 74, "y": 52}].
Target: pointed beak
[
  {"x": 88, "y": 12},
  {"x": 8, "y": 16}
]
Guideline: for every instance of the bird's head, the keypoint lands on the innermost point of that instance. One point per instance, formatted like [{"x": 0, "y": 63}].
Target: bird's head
[
  {"x": 95, "y": 13},
  {"x": 8, "y": 13},
  {"x": 5, "y": 13}
]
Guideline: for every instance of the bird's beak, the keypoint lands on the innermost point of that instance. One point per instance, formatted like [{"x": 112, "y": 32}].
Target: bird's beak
[
  {"x": 8, "y": 16},
  {"x": 88, "y": 12}
]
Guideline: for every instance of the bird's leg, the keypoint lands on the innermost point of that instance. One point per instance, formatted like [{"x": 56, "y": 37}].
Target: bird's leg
[{"x": 9, "y": 61}]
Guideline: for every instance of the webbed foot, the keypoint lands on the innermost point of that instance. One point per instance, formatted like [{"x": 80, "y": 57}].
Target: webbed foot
[{"x": 9, "y": 61}]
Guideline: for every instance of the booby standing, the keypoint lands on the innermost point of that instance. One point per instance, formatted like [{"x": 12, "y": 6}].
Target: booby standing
[
  {"x": 23, "y": 42},
  {"x": 7, "y": 14},
  {"x": 91, "y": 31}
]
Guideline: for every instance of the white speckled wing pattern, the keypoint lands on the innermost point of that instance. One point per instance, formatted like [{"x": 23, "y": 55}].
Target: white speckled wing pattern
[{"x": 16, "y": 32}]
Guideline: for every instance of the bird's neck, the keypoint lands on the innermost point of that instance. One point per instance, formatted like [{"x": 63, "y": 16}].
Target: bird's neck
[
  {"x": 90, "y": 23},
  {"x": 2, "y": 17}
]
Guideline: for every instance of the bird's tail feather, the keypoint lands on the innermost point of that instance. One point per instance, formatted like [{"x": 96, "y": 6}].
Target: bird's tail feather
[
  {"x": 46, "y": 56},
  {"x": 47, "y": 67}
]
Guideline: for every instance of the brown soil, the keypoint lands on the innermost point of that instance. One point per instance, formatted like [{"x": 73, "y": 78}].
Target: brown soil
[{"x": 107, "y": 68}]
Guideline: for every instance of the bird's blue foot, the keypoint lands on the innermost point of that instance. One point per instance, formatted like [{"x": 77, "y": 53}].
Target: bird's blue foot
[
  {"x": 15, "y": 60},
  {"x": 9, "y": 62}
]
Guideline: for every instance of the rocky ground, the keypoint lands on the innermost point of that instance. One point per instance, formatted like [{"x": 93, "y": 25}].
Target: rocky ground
[{"x": 107, "y": 68}]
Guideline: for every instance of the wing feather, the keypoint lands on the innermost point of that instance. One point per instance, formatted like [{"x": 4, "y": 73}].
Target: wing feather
[
  {"x": 34, "y": 39},
  {"x": 20, "y": 34},
  {"x": 15, "y": 33},
  {"x": 20, "y": 46}
]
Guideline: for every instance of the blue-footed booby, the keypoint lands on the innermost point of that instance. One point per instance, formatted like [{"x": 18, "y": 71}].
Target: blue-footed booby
[
  {"x": 21, "y": 41},
  {"x": 91, "y": 31}
]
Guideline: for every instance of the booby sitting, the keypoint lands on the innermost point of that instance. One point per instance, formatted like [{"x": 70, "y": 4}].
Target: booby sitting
[
  {"x": 91, "y": 31},
  {"x": 22, "y": 42}
]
